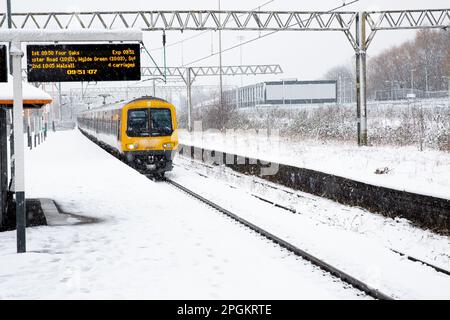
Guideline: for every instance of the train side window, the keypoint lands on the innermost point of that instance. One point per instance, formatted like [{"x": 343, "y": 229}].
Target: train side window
[{"x": 118, "y": 127}]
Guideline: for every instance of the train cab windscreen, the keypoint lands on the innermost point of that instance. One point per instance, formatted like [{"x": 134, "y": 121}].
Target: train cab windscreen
[
  {"x": 140, "y": 124},
  {"x": 160, "y": 122}
]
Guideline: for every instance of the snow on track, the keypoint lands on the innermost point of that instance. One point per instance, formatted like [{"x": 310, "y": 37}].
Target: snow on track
[
  {"x": 319, "y": 230},
  {"x": 151, "y": 242},
  {"x": 397, "y": 234}
]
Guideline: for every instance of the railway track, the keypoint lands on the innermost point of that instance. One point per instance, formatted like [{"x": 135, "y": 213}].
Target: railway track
[
  {"x": 374, "y": 293},
  {"x": 292, "y": 210}
]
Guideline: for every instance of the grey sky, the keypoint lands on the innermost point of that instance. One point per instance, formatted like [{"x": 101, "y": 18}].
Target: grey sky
[{"x": 303, "y": 55}]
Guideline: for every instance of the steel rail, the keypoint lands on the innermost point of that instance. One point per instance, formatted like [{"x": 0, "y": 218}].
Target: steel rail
[
  {"x": 273, "y": 203},
  {"x": 411, "y": 258}
]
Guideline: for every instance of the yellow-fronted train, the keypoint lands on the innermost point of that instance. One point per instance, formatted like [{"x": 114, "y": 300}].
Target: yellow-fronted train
[{"x": 142, "y": 132}]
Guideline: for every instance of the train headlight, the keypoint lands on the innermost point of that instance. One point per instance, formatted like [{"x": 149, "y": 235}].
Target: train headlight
[
  {"x": 167, "y": 145},
  {"x": 132, "y": 146}
]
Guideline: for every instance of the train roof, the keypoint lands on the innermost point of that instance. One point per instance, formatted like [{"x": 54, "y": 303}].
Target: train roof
[{"x": 121, "y": 104}]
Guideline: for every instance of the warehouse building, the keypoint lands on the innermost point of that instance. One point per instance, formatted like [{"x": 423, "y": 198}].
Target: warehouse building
[{"x": 291, "y": 92}]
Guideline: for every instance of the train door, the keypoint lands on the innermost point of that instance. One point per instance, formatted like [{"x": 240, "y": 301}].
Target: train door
[{"x": 119, "y": 126}]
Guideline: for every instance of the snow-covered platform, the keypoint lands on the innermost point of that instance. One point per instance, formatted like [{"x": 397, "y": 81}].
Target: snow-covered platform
[{"x": 145, "y": 240}]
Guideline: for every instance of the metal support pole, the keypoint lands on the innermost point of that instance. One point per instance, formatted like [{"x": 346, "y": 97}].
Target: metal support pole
[
  {"x": 154, "y": 87},
  {"x": 220, "y": 76},
  {"x": 358, "y": 99},
  {"x": 60, "y": 101},
  {"x": 30, "y": 142},
  {"x": 39, "y": 128},
  {"x": 8, "y": 13},
  {"x": 343, "y": 91},
  {"x": 447, "y": 78},
  {"x": 3, "y": 141},
  {"x": 11, "y": 142},
  {"x": 34, "y": 131},
  {"x": 3, "y": 167},
  {"x": 11, "y": 125},
  {"x": 392, "y": 90},
  {"x": 361, "y": 102},
  {"x": 189, "y": 100},
  {"x": 29, "y": 136},
  {"x": 19, "y": 185}
]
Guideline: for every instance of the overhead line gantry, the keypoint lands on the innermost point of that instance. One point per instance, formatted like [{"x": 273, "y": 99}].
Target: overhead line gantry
[{"x": 359, "y": 27}]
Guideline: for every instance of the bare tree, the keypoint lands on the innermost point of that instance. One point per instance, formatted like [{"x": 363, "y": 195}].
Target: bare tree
[
  {"x": 215, "y": 115},
  {"x": 425, "y": 60}
]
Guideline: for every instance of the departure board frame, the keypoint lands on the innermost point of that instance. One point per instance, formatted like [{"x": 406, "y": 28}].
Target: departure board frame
[
  {"x": 3, "y": 64},
  {"x": 83, "y": 62}
]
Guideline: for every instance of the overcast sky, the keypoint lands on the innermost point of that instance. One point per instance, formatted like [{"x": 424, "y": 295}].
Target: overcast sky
[{"x": 302, "y": 55}]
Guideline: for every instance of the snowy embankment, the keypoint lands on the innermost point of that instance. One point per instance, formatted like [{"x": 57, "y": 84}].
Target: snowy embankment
[
  {"x": 152, "y": 241},
  {"x": 426, "y": 172},
  {"x": 354, "y": 240}
]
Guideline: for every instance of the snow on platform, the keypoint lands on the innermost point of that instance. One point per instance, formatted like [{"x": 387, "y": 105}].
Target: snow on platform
[
  {"x": 30, "y": 94},
  {"x": 426, "y": 172},
  {"x": 150, "y": 240}
]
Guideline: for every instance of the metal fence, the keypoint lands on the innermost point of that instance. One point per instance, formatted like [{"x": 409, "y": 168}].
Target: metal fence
[{"x": 405, "y": 93}]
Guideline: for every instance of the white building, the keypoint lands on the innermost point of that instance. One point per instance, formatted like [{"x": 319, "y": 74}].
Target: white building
[{"x": 290, "y": 92}]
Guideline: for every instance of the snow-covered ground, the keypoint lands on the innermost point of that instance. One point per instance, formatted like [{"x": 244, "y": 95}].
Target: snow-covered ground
[
  {"x": 151, "y": 241},
  {"x": 354, "y": 240},
  {"x": 426, "y": 172}
]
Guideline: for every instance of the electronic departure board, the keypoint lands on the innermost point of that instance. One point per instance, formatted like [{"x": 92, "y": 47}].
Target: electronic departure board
[
  {"x": 3, "y": 64},
  {"x": 83, "y": 62}
]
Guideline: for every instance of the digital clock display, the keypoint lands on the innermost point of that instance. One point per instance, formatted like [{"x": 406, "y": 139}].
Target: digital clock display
[{"x": 83, "y": 62}]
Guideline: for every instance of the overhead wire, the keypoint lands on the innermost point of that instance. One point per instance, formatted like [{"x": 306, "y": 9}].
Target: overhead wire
[
  {"x": 165, "y": 46},
  {"x": 229, "y": 48},
  {"x": 201, "y": 33},
  {"x": 260, "y": 37}
]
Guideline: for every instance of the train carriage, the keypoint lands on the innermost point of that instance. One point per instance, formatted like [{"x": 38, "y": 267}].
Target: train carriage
[{"x": 143, "y": 132}]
